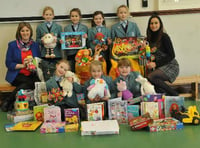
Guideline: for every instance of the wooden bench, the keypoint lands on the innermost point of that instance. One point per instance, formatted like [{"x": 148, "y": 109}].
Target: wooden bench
[
  {"x": 6, "y": 88},
  {"x": 184, "y": 80}
]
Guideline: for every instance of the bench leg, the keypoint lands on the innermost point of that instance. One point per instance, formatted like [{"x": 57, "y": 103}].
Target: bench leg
[{"x": 196, "y": 91}]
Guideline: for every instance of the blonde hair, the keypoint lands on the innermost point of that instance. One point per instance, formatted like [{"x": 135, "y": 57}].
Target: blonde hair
[
  {"x": 48, "y": 8},
  {"x": 123, "y": 6},
  {"x": 96, "y": 63},
  {"x": 64, "y": 61}
]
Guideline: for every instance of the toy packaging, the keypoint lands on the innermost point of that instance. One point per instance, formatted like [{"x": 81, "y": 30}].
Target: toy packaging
[
  {"x": 52, "y": 127},
  {"x": 73, "y": 40},
  {"x": 117, "y": 110},
  {"x": 52, "y": 114},
  {"x": 19, "y": 117},
  {"x": 81, "y": 98},
  {"x": 26, "y": 126},
  {"x": 38, "y": 112},
  {"x": 151, "y": 108},
  {"x": 95, "y": 111},
  {"x": 71, "y": 115},
  {"x": 133, "y": 111},
  {"x": 103, "y": 127},
  {"x": 165, "y": 124},
  {"x": 39, "y": 92},
  {"x": 140, "y": 122},
  {"x": 173, "y": 104},
  {"x": 71, "y": 127}
]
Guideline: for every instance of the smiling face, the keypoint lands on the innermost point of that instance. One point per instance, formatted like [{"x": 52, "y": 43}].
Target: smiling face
[
  {"x": 123, "y": 13},
  {"x": 25, "y": 34},
  {"x": 48, "y": 15},
  {"x": 98, "y": 20},
  {"x": 75, "y": 17},
  {"x": 154, "y": 24},
  {"x": 124, "y": 70},
  {"x": 96, "y": 71},
  {"x": 61, "y": 69}
]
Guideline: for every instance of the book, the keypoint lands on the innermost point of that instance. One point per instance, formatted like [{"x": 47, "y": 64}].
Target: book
[
  {"x": 133, "y": 111},
  {"x": 52, "y": 114},
  {"x": 103, "y": 127},
  {"x": 117, "y": 110},
  {"x": 151, "y": 108},
  {"x": 52, "y": 127},
  {"x": 8, "y": 127},
  {"x": 26, "y": 126},
  {"x": 71, "y": 115},
  {"x": 20, "y": 116},
  {"x": 38, "y": 112},
  {"x": 73, "y": 40},
  {"x": 173, "y": 103},
  {"x": 95, "y": 111}
]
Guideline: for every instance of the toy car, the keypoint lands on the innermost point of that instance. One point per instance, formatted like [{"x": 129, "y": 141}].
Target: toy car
[{"x": 190, "y": 115}]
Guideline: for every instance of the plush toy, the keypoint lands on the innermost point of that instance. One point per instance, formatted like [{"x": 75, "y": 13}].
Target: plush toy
[
  {"x": 67, "y": 85},
  {"x": 56, "y": 95},
  {"x": 98, "y": 87},
  {"x": 101, "y": 40},
  {"x": 49, "y": 41},
  {"x": 83, "y": 57},
  {"x": 146, "y": 86},
  {"x": 126, "y": 94},
  {"x": 30, "y": 63},
  {"x": 20, "y": 95}
]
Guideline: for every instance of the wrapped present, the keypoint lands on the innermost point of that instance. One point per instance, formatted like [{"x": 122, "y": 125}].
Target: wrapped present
[
  {"x": 165, "y": 124},
  {"x": 52, "y": 114},
  {"x": 103, "y": 127},
  {"x": 52, "y": 127},
  {"x": 71, "y": 127},
  {"x": 140, "y": 122}
]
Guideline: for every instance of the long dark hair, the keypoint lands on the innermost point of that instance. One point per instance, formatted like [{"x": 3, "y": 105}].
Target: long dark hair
[
  {"x": 97, "y": 13},
  {"x": 154, "y": 36}
]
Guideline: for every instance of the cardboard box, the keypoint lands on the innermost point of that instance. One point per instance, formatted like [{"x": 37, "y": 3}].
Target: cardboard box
[{"x": 52, "y": 127}]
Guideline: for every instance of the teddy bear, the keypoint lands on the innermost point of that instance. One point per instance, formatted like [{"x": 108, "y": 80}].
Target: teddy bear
[
  {"x": 101, "y": 40},
  {"x": 146, "y": 86},
  {"x": 67, "y": 85},
  {"x": 98, "y": 87},
  {"x": 49, "y": 41},
  {"x": 126, "y": 94}
]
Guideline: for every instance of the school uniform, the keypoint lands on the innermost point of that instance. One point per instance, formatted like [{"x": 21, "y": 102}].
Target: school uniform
[
  {"x": 48, "y": 64},
  {"x": 132, "y": 85},
  {"x": 91, "y": 37},
  {"x": 131, "y": 30},
  {"x": 71, "y": 53},
  {"x": 67, "y": 102}
]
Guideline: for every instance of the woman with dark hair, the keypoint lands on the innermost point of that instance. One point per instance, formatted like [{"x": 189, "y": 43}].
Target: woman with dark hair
[
  {"x": 18, "y": 54},
  {"x": 164, "y": 67}
]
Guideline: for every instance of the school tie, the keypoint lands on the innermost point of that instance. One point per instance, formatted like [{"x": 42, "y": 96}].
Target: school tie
[
  {"x": 124, "y": 23},
  {"x": 98, "y": 28},
  {"x": 49, "y": 24},
  {"x": 74, "y": 28}
]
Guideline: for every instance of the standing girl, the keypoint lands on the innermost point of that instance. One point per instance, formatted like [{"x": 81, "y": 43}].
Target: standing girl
[
  {"x": 124, "y": 28},
  {"x": 75, "y": 26},
  {"x": 164, "y": 67},
  {"x": 99, "y": 36},
  {"x": 48, "y": 26}
]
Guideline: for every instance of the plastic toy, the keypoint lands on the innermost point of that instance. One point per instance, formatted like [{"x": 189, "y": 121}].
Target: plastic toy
[
  {"x": 98, "y": 87},
  {"x": 67, "y": 85},
  {"x": 189, "y": 115},
  {"x": 49, "y": 41},
  {"x": 126, "y": 94},
  {"x": 30, "y": 63},
  {"x": 146, "y": 87}
]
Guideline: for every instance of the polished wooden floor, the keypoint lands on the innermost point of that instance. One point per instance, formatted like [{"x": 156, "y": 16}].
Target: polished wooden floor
[{"x": 185, "y": 138}]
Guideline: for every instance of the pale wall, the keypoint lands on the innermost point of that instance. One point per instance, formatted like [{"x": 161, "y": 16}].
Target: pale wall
[{"x": 184, "y": 31}]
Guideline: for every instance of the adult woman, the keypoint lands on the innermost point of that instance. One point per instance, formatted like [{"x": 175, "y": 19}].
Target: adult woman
[
  {"x": 18, "y": 73},
  {"x": 164, "y": 67}
]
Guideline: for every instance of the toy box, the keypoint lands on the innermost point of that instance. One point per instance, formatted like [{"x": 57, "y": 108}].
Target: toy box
[
  {"x": 95, "y": 111},
  {"x": 71, "y": 115},
  {"x": 133, "y": 111},
  {"x": 165, "y": 124},
  {"x": 71, "y": 127},
  {"x": 18, "y": 117},
  {"x": 38, "y": 112},
  {"x": 140, "y": 122},
  {"x": 117, "y": 110},
  {"x": 52, "y": 127},
  {"x": 151, "y": 108},
  {"x": 103, "y": 127},
  {"x": 52, "y": 114}
]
